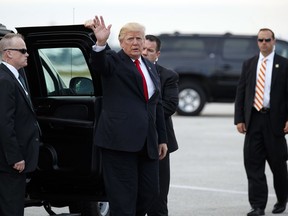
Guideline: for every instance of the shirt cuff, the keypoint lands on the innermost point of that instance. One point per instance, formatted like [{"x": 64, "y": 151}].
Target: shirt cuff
[{"x": 98, "y": 48}]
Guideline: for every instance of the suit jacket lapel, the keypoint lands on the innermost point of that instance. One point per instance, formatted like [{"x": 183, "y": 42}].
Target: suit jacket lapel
[
  {"x": 254, "y": 69},
  {"x": 9, "y": 73},
  {"x": 137, "y": 76},
  {"x": 275, "y": 69},
  {"x": 153, "y": 74}
]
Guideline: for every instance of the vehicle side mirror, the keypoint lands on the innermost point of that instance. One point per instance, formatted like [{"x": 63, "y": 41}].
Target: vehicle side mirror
[{"x": 81, "y": 86}]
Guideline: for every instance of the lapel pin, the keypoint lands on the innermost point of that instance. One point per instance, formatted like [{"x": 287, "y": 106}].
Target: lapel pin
[{"x": 277, "y": 66}]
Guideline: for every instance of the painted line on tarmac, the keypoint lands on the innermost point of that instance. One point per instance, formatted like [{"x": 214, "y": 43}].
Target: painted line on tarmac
[{"x": 186, "y": 187}]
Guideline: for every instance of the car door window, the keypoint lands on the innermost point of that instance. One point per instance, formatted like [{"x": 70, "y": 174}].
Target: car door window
[
  {"x": 66, "y": 71},
  {"x": 282, "y": 48}
]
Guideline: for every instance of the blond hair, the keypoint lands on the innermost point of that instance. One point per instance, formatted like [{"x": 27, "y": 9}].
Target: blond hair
[{"x": 131, "y": 27}]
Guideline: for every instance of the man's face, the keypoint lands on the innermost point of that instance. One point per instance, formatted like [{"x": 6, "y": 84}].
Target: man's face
[
  {"x": 132, "y": 44},
  {"x": 149, "y": 51},
  {"x": 17, "y": 58},
  {"x": 265, "y": 42}
]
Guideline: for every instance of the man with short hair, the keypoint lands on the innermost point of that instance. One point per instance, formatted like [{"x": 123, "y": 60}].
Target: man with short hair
[
  {"x": 169, "y": 89},
  {"x": 19, "y": 130},
  {"x": 261, "y": 113}
]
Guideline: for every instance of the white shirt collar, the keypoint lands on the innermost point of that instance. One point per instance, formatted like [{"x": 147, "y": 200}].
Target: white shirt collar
[
  {"x": 12, "y": 69},
  {"x": 270, "y": 57}
]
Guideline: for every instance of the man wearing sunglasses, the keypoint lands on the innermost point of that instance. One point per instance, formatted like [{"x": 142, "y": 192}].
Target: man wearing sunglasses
[
  {"x": 19, "y": 131},
  {"x": 261, "y": 113}
]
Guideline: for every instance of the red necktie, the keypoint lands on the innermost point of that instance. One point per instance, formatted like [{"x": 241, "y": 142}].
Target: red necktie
[
  {"x": 260, "y": 84},
  {"x": 137, "y": 63}
]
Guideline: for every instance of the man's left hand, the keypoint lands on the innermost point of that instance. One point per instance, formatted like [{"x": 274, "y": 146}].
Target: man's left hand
[{"x": 162, "y": 150}]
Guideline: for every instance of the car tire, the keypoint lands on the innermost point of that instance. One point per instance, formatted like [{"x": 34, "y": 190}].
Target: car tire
[
  {"x": 90, "y": 208},
  {"x": 192, "y": 99}
]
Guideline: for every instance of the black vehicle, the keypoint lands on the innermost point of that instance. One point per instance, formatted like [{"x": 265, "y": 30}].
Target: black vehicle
[
  {"x": 67, "y": 100},
  {"x": 3, "y": 30},
  {"x": 209, "y": 66}
]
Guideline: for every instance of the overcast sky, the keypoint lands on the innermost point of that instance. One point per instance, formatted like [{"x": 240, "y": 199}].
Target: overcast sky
[{"x": 158, "y": 16}]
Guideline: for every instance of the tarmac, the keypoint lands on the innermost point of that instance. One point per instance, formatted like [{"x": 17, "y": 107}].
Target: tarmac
[{"x": 207, "y": 172}]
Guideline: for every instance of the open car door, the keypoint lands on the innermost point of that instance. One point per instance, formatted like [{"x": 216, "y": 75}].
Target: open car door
[{"x": 67, "y": 100}]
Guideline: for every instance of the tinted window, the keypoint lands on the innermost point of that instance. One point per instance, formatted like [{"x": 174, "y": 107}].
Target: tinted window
[
  {"x": 66, "y": 71},
  {"x": 184, "y": 46},
  {"x": 238, "y": 48},
  {"x": 282, "y": 48}
]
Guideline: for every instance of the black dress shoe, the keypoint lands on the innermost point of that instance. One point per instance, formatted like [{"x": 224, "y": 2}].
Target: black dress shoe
[
  {"x": 256, "y": 212},
  {"x": 279, "y": 208}
]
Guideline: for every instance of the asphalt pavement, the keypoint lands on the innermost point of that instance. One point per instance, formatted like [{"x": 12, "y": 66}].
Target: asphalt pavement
[{"x": 207, "y": 172}]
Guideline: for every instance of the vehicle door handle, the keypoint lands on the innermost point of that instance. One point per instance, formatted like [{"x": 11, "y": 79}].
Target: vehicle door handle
[
  {"x": 226, "y": 67},
  {"x": 43, "y": 108}
]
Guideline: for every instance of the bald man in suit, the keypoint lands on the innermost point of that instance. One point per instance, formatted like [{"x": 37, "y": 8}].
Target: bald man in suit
[{"x": 19, "y": 130}]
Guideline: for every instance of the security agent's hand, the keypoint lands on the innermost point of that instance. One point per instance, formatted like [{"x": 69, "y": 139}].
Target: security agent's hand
[
  {"x": 20, "y": 166},
  {"x": 286, "y": 127},
  {"x": 241, "y": 128},
  {"x": 100, "y": 30},
  {"x": 162, "y": 150}
]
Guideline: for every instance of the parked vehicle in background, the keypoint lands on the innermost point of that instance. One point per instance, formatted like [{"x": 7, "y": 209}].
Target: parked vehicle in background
[
  {"x": 67, "y": 100},
  {"x": 209, "y": 66},
  {"x": 3, "y": 30}
]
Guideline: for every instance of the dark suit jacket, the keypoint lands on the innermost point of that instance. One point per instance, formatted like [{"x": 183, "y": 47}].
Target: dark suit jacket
[
  {"x": 19, "y": 132},
  {"x": 278, "y": 93},
  {"x": 169, "y": 90},
  {"x": 127, "y": 121}
]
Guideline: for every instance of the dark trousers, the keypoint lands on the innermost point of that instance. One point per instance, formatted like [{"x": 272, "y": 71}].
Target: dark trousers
[
  {"x": 12, "y": 194},
  {"x": 160, "y": 208},
  {"x": 262, "y": 145},
  {"x": 131, "y": 182}
]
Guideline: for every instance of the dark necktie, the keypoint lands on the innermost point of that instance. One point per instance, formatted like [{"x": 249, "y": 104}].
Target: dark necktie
[
  {"x": 145, "y": 88},
  {"x": 22, "y": 82},
  {"x": 21, "y": 79}
]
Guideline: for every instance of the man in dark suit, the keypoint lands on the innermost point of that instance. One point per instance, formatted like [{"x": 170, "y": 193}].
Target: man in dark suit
[
  {"x": 263, "y": 116},
  {"x": 131, "y": 130},
  {"x": 169, "y": 89},
  {"x": 19, "y": 132}
]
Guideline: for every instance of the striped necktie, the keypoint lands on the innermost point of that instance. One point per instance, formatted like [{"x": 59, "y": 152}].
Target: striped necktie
[{"x": 260, "y": 85}]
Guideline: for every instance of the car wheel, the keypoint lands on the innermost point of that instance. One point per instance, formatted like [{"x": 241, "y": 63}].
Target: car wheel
[
  {"x": 90, "y": 208},
  {"x": 191, "y": 99}
]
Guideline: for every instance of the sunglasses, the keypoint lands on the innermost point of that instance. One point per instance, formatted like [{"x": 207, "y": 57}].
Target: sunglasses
[
  {"x": 23, "y": 51},
  {"x": 266, "y": 40}
]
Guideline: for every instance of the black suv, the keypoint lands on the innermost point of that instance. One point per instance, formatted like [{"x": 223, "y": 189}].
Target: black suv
[
  {"x": 67, "y": 100},
  {"x": 208, "y": 65},
  {"x": 3, "y": 30}
]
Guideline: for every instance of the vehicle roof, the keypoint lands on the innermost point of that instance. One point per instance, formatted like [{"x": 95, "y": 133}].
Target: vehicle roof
[
  {"x": 4, "y": 30},
  {"x": 46, "y": 29},
  {"x": 179, "y": 34}
]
